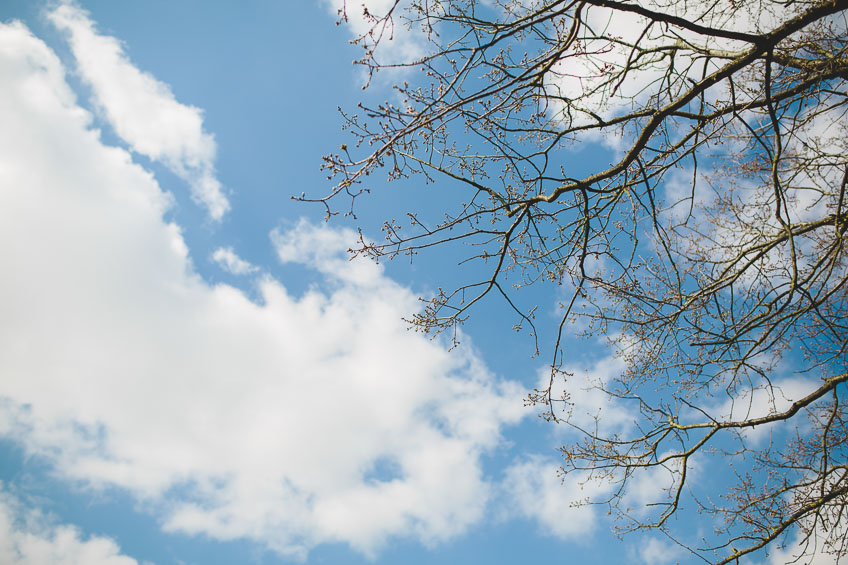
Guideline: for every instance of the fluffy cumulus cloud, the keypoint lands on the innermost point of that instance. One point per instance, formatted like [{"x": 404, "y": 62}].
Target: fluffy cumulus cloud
[
  {"x": 654, "y": 551},
  {"x": 143, "y": 110},
  {"x": 228, "y": 260},
  {"x": 292, "y": 421},
  {"x": 536, "y": 492},
  {"x": 28, "y": 537}
]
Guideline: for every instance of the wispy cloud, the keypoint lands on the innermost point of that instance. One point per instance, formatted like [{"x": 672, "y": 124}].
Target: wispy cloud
[
  {"x": 381, "y": 24},
  {"x": 143, "y": 110}
]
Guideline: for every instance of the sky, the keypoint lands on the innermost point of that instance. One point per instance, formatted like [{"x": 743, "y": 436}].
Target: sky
[{"x": 192, "y": 371}]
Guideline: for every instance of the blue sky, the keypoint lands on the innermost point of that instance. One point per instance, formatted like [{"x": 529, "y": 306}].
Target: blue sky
[{"x": 192, "y": 370}]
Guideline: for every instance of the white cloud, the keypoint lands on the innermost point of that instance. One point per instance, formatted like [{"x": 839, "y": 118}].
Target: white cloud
[
  {"x": 292, "y": 423},
  {"x": 654, "y": 550},
  {"x": 232, "y": 263},
  {"x": 143, "y": 110},
  {"x": 585, "y": 410},
  {"x": 814, "y": 551},
  {"x": 536, "y": 491},
  {"x": 649, "y": 489},
  {"x": 28, "y": 537},
  {"x": 396, "y": 41},
  {"x": 605, "y": 41},
  {"x": 586, "y": 405},
  {"x": 770, "y": 398}
]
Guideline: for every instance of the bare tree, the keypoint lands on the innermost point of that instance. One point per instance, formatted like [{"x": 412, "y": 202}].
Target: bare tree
[{"x": 711, "y": 251}]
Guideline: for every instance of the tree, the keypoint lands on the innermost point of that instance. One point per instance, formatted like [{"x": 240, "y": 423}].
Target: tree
[{"x": 711, "y": 251}]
